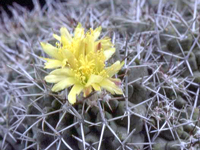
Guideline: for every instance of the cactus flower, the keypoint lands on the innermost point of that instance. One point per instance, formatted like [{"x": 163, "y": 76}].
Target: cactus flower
[
  {"x": 82, "y": 64},
  {"x": 80, "y": 43}
]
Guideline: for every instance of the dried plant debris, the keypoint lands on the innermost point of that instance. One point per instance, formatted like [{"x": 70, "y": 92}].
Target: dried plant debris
[{"x": 158, "y": 41}]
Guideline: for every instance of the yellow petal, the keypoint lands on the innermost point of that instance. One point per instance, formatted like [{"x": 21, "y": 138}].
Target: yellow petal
[
  {"x": 63, "y": 71},
  {"x": 57, "y": 37},
  {"x": 94, "y": 79},
  {"x": 64, "y": 62},
  {"x": 96, "y": 33},
  {"x": 54, "y": 78},
  {"x": 63, "y": 84},
  {"x": 65, "y": 36},
  {"x": 50, "y": 50},
  {"x": 52, "y": 63},
  {"x": 114, "y": 68},
  {"x": 65, "y": 32},
  {"x": 87, "y": 91},
  {"x": 116, "y": 81},
  {"x": 109, "y": 52},
  {"x": 79, "y": 48},
  {"x": 96, "y": 87},
  {"x": 58, "y": 75},
  {"x": 111, "y": 87},
  {"x": 76, "y": 89},
  {"x": 70, "y": 58},
  {"x": 105, "y": 43},
  {"x": 90, "y": 43},
  {"x": 79, "y": 32}
]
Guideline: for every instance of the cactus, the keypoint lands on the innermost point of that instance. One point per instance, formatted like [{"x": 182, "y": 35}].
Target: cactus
[{"x": 159, "y": 108}]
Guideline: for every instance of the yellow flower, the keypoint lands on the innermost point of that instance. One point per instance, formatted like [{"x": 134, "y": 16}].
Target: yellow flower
[
  {"x": 82, "y": 61},
  {"x": 67, "y": 48}
]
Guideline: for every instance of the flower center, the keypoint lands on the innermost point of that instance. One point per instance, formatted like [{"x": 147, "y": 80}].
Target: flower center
[
  {"x": 86, "y": 66},
  {"x": 92, "y": 63}
]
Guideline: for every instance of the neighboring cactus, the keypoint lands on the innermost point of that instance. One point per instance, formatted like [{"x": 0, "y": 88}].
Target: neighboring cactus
[{"x": 159, "y": 108}]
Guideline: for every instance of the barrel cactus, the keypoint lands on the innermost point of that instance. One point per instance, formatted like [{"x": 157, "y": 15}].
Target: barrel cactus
[{"x": 100, "y": 75}]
